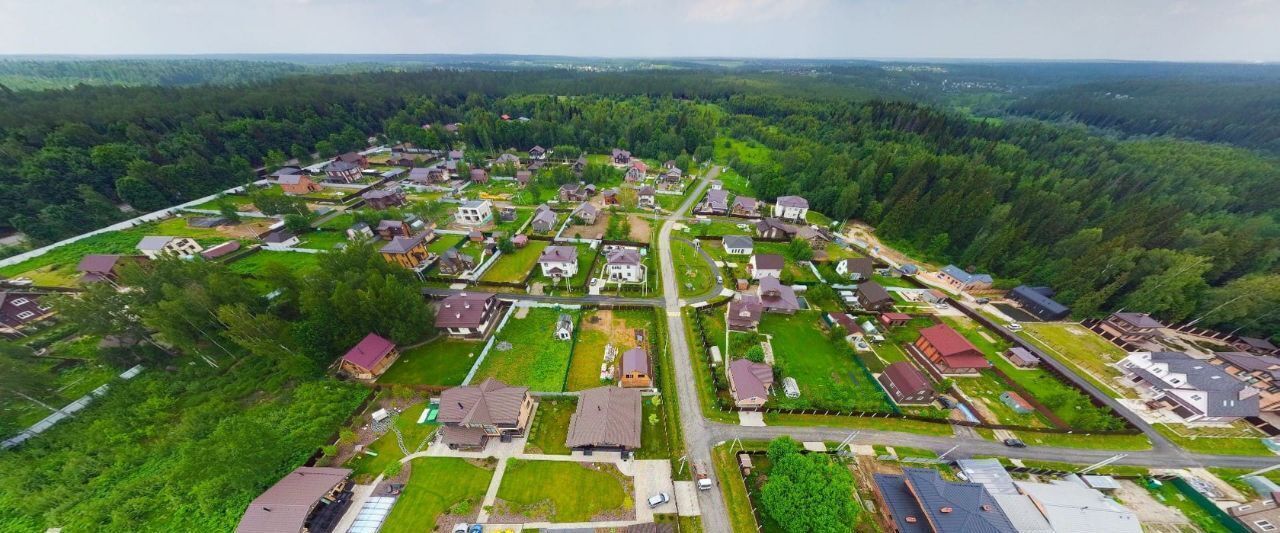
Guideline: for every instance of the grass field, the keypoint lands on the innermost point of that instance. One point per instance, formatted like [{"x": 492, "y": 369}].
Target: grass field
[
  {"x": 428, "y": 495},
  {"x": 564, "y": 491},
  {"x": 444, "y": 361},
  {"x": 536, "y": 358},
  {"x": 729, "y": 151},
  {"x": 986, "y": 390},
  {"x": 551, "y": 426},
  {"x": 1090, "y": 442},
  {"x": 444, "y": 242},
  {"x": 735, "y": 182},
  {"x": 1205, "y": 442},
  {"x": 734, "y": 489},
  {"x": 601, "y": 328},
  {"x": 1073, "y": 344},
  {"x": 826, "y": 372},
  {"x": 367, "y": 467},
  {"x": 696, "y": 276},
  {"x": 323, "y": 239},
  {"x": 513, "y": 267},
  {"x": 254, "y": 262}
]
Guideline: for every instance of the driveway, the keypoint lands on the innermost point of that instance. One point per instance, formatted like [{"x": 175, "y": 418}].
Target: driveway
[{"x": 650, "y": 477}]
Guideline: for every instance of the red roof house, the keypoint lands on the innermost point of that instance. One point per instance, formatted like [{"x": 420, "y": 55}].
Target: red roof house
[
  {"x": 949, "y": 351},
  {"x": 370, "y": 358}
]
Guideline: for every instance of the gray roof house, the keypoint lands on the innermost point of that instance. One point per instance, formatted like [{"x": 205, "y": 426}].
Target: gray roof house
[
  {"x": 1195, "y": 389},
  {"x": 920, "y": 501},
  {"x": 738, "y": 244},
  {"x": 606, "y": 417}
]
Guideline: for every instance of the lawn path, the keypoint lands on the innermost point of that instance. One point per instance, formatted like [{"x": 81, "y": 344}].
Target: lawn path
[{"x": 491, "y": 495}]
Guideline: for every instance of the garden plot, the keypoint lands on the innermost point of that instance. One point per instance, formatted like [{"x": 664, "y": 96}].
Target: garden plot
[
  {"x": 984, "y": 393},
  {"x": 527, "y": 353},
  {"x": 550, "y": 429},
  {"x": 693, "y": 273},
  {"x": 430, "y": 503},
  {"x": 824, "y": 369},
  {"x": 563, "y": 491},
  {"x": 441, "y": 362},
  {"x": 513, "y": 267},
  {"x": 599, "y": 329},
  {"x": 253, "y": 263},
  {"x": 595, "y": 230},
  {"x": 1087, "y": 352}
]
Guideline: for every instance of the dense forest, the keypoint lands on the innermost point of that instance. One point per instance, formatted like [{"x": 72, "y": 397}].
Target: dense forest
[{"x": 1167, "y": 226}]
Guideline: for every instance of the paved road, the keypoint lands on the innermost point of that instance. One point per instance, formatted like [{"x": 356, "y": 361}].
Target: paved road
[
  {"x": 571, "y": 300},
  {"x": 697, "y": 435}
]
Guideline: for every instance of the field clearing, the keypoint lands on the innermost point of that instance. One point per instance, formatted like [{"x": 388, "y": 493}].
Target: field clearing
[
  {"x": 536, "y": 359},
  {"x": 296, "y": 261},
  {"x": 444, "y": 361},
  {"x": 696, "y": 276},
  {"x": 513, "y": 267},
  {"x": 600, "y": 328},
  {"x": 1078, "y": 347},
  {"x": 537, "y": 489},
  {"x": 826, "y": 372}
]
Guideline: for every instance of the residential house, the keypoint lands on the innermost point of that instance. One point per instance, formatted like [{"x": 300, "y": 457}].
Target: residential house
[
  {"x": 647, "y": 197},
  {"x": 671, "y": 178},
  {"x": 369, "y": 358},
  {"x": 520, "y": 240},
  {"x": 1262, "y": 372},
  {"x": 750, "y": 383},
  {"x": 776, "y": 297},
  {"x": 636, "y": 371},
  {"x": 155, "y": 247},
  {"x": 471, "y": 415},
  {"x": 716, "y": 202},
  {"x": 564, "y": 328},
  {"x": 574, "y": 192},
  {"x": 792, "y": 208},
  {"x": 1070, "y": 505},
  {"x": 766, "y": 266},
  {"x": 1021, "y": 357},
  {"x": 523, "y": 177},
  {"x": 606, "y": 419},
  {"x": 906, "y": 384},
  {"x": 818, "y": 239},
  {"x": 640, "y": 165},
  {"x": 1016, "y": 402},
  {"x": 634, "y": 175},
  {"x": 354, "y": 158},
  {"x": 467, "y": 314},
  {"x": 452, "y": 168},
  {"x": 359, "y": 232},
  {"x": 669, "y": 164},
  {"x": 579, "y": 165},
  {"x": 281, "y": 238},
  {"x": 474, "y": 213},
  {"x": 454, "y": 263},
  {"x": 1131, "y": 327},
  {"x": 297, "y": 500},
  {"x": 287, "y": 170},
  {"x": 1260, "y": 516},
  {"x": 1195, "y": 390},
  {"x": 475, "y": 235},
  {"x": 408, "y": 252},
  {"x": 586, "y": 213},
  {"x": 455, "y": 155},
  {"x": 744, "y": 312},
  {"x": 949, "y": 351},
  {"x": 537, "y": 153},
  {"x": 856, "y": 269},
  {"x": 424, "y": 176},
  {"x": 18, "y": 309},
  {"x": 610, "y": 196},
  {"x": 873, "y": 297},
  {"x": 507, "y": 159},
  {"x": 94, "y": 268},
  {"x": 1039, "y": 302},
  {"x": 544, "y": 219},
  {"x": 908, "y": 270},
  {"x": 384, "y": 198},
  {"x": 559, "y": 261},
  {"x": 297, "y": 184},
  {"x": 406, "y": 162},
  {"x": 772, "y": 228},
  {"x": 507, "y": 214},
  {"x": 479, "y": 175},
  {"x": 957, "y": 278},
  {"x": 893, "y": 320},
  {"x": 1256, "y": 346},
  {"x": 716, "y": 185},
  {"x": 390, "y": 229},
  {"x": 624, "y": 265},
  {"x": 920, "y": 501},
  {"x": 737, "y": 245},
  {"x": 745, "y": 206},
  {"x": 342, "y": 172},
  {"x": 621, "y": 157}
]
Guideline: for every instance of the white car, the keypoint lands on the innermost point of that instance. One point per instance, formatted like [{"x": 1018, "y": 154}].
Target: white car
[
  {"x": 658, "y": 499},
  {"x": 1014, "y": 326}
]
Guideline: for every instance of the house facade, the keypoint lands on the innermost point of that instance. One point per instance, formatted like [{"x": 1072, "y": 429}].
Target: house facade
[
  {"x": 1131, "y": 327},
  {"x": 369, "y": 358},
  {"x": 958, "y": 279},
  {"x": 750, "y": 383},
  {"x": 949, "y": 352},
  {"x": 408, "y": 252},
  {"x": 155, "y": 247},
  {"x": 384, "y": 198},
  {"x": 624, "y": 265},
  {"x": 766, "y": 266},
  {"x": 1193, "y": 389},
  {"x": 738, "y": 245},
  {"x": 743, "y": 313},
  {"x": 856, "y": 269},
  {"x": 646, "y": 196},
  {"x": 474, "y": 213},
  {"x": 873, "y": 297},
  {"x": 906, "y": 384},
  {"x": 454, "y": 263},
  {"x": 791, "y": 208},
  {"x": 544, "y": 219},
  {"x": 772, "y": 228},
  {"x": 390, "y": 229},
  {"x": 716, "y": 202},
  {"x": 471, "y": 415},
  {"x": 776, "y": 297},
  {"x": 19, "y": 309},
  {"x": 745, "y": 206},
  {"x": 586, "y": 213},
  {"x": 1261, "y": 372},
  {"x": 342, "y": 172},
  {"x": 559, "y": 261},
  {"x": 94, "y": 268},
  {"x": 636, "y": 372},
  {"x": 1039, "y": 302}
]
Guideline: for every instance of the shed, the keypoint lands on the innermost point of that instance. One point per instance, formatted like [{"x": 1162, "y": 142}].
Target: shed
[
  {"x": 1022, "y": 357},
  {"x": 790, "y": 387},
  {"x": 1102, "y": 483},
  {"x": 1016, "y": 402},
  {"x": 744, "y": 463}
]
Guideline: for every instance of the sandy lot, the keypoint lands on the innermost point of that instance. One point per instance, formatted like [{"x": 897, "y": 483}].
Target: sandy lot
[
  {"x": 594, "y": 231},
  {"x": 639, "y": 228}
]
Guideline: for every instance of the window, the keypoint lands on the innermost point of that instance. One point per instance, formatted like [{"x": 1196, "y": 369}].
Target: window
[
  {"x": 25, "y": 315},
  {"x": 20, "y": 301},
  {"x": 1265, "y": 525}
]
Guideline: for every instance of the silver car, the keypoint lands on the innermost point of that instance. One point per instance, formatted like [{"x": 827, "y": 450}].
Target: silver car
[{"x": 658, "y": 499}]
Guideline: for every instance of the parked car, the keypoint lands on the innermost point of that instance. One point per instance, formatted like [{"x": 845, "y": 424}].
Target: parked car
[
  {"x": 941, "y": 305},
  {"x": 983, "y": 301},
  {"x": 1014, "y": 326},
  {"x": 1014, "y": 443},
  {"x": 460, "y": 528},
  {"x": 476, "y": 528},
  {"x": 700, "y": 474},
  {"x": 947, "y": 402},
  {"x": 658, "y": 499}
]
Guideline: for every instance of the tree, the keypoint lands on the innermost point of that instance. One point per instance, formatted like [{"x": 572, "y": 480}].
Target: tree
[
  {"x": 229, "y": 211},
  {"x": 807, "y": 492},
  {"x": 140, "y": 194},
  {"x": 21, "y": 376},
  {"x": 297, "y": 223},
  {"x": 506, "y": 246},
  {"x": 944, "y": 386},
  {"x": 755, "y": 353},
  {"x": 799, "y": 250}
]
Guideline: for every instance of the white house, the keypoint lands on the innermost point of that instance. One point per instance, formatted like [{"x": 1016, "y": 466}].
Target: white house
[
  {"x": 766, "y": 266},
  {"x": 564, "y": 328},
  {"x": 624, "y": 265},
  {"x": 1193, "y": 389},
  {"x": 154, "y": 246},
  {"x": 792, "y": 208},
  {"x": 474, "y": 213},
  {"x": 559, "y": 261},
  {"x": 737, "y": 245}
]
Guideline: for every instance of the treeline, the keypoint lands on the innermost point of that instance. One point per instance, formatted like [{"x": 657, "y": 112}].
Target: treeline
[
  {"x": 30, "y": 74},
  {"x": 1170, "y": 227}
]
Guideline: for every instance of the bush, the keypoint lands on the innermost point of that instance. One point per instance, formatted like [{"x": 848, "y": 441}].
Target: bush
[
  {"x": 392, "y": 469},
  {"x": 755, "y": 354}
]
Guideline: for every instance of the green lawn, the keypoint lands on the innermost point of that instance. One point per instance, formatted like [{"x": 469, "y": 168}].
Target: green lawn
[
  {"x": 986, "y": 390},
  {"x": 730, "y": 151},
  {"x": 444, "y": 361},
  {"x": 1091, "y": 442},
  {"x": 254, "y": 262},
  {"x": 513, "y": 267},
  {"x": 436, "y": 485},
  {"x": 444, "y": 242},
  {"x": 824, "y": 369},
  {"x": 509, "y": 227},
  {"x": 1215, "y": 445},
  {"x": 890, "y": 281},
  {"x": 564, "y": 491},
  {"x": 696, "y": 276},
  {"x": 735, "y": 182},
  {"x": 551, "y": 426},
  {"x": 339, "y": 222},
  {"x": 669, "y": 202},
  {"x": 1168, "y": 494},
  {"x": 588, "y": 353},
  {"x": 323, "y": 239},
  {"x": 536, "y": 359},
  {"x": 367, "y": 467},
  {"x": 1087, "y": 352},
  {"x": 654, "y": 429}
]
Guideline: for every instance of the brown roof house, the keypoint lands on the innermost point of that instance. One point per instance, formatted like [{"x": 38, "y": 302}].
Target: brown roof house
[
  {"x": 750, "y": 382},
  {"x": 1262, "y": 372},
  {"x": 467, "y": 314},
  {"x": 873, "y": 297},
  {"x": 18, "y": 309},
  {"x": 293, "y": 504},
  {"x": 94, "y": 268},
  {"x": 408, "y": 252},
  {"x": 744, "y": 312},
  {"x": 471, "y": 415},
  {"x": 949, "y": 351},
  {"x": 646, "y": 196},
  {"x": 384, "y": 198},
  {"x": 1259, "y": 516},
  {"x": 298, "y": 184},
  {"x": 369, "y": 358},
  {"x": 523, "y": 177},
  {"x": 636, "y": 372},
  {"x": 745, "y": 206},
  {"x": 857, "y": 268},
  {"x": 606, "y": 419},
  {"x": 342, "y": 172},
  {"x": 778, "y": 298},
  {"x": 772, "y": 228},
  {"x": 355, "y": 158},
  {"x": 390, "y": 229},
  {"x": 1131, "y": 327},
  {"x": 478, "y": 175},
  {"x": 766, "y": 266},
  {"x": 906, "y": 384},
  {"x": 454, "y": 263}
]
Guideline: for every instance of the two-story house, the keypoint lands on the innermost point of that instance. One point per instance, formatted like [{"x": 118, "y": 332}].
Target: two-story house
[
  {"x": 792, "y": 208},
  {"x": 766, "y": 266},
  {"x": 474, "y": 213},
  {"x": 471, "y": 415},
  {"x": 408, "y": 252},
  {"x": 467, "y": 314},
  {"x": 1261, "y": 372},
  {"x": 155, "y": 246},
  {"x": 1193, "y": 389},
  {"x": 624, "y": 265},
  {"x": 559, "y": 261}
]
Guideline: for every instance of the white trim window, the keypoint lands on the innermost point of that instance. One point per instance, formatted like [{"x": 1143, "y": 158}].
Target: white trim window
[
  {"x": 1265, "y": 525},
  {"x": 20, "y": 301},
  {"x": 25, "y": 315}
]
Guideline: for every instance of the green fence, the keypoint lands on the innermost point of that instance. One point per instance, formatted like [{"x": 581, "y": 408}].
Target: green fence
[{"x": 1225, "y": 520}]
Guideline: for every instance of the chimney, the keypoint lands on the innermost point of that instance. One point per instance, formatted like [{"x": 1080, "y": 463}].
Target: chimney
[{"x": 945, "y": 510}]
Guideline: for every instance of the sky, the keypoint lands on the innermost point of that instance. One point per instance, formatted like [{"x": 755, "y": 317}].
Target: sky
[{"x": 1183, "y": 30}]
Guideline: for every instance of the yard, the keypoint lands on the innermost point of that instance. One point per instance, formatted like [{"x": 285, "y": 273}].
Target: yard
[
  {"x": 586, "y": 257},
  {"x": 1087, "y": 352},
  {"x": 984, "y": 392},
  {"x": 533, "y": 356},
  {"x": 442, "y": 362},
  {"x": 253, "y": 263},
  {"x": 601, "y": 328},
  {"x": 513, "y": 267},
  {"x": 367, "y": 467},
  {"x": 1240, "y": 439},
  {"x": 735, "y": 182},
  {"x": 697, "y": 277},
  {"x": 824, "y": 369},
  {"x": 323, "y": 239},
  {"x": 426, "y": 497},
  {"x": 551, "y": 426},
  {"x": 594, "y": 230},
  {"x": 559, "y": 491},
  {"x": 444, "y": 242}
]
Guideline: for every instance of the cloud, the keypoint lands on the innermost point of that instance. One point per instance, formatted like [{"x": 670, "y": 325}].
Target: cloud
[{"x": 720, "y": 11}]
